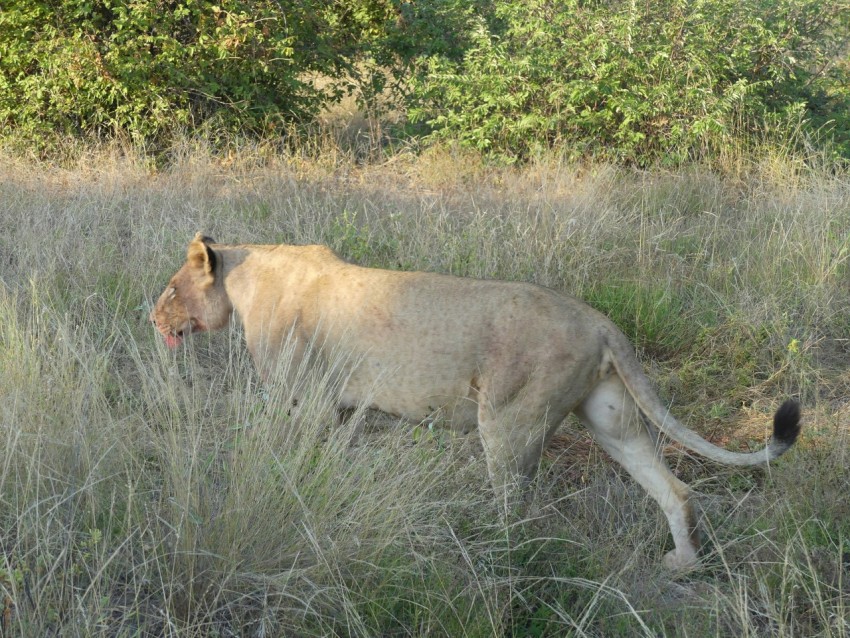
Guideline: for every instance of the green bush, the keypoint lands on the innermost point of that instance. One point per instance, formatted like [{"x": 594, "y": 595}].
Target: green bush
[
  {"x": 629, "y": 82},
  {"x": 386, "y": 40},
  {"x": 83, "y": 67},
  {"x": 637, "y": 82}
]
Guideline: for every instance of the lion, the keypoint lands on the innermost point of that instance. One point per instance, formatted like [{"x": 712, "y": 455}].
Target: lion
[{"x": 511, "y": 359}]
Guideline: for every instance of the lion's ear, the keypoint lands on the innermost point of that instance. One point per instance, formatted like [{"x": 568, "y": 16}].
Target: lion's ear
[{"x": 201, "y": 257}]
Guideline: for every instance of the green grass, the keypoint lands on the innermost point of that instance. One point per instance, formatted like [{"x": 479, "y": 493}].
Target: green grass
[{"x": 150, "y": 492}]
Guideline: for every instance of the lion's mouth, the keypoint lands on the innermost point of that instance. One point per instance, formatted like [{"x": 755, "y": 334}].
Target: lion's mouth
[
  {"x": 171, "y": 336},
  {"x": 175, "y": 337},
  {"x": 174, "y": 340}
]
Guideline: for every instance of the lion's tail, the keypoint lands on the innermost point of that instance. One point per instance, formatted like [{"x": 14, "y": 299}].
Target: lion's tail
[{"x": 786, "y": 420}]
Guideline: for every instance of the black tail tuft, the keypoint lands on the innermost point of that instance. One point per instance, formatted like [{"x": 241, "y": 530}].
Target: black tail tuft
[{"x": 786, "y": 423}]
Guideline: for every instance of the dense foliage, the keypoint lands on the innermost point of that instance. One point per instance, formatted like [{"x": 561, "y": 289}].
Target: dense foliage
[
  {"x": 639, "y": 81},
  {"x": 635, "y": 82},
  {"x": 83, "y": 66}
]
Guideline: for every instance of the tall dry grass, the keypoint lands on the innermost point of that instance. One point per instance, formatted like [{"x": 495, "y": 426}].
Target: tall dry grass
[{"x": 149, "y": 492}]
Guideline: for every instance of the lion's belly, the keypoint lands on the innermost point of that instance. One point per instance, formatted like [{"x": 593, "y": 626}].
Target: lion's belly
[{"x": 415, "y": 392}]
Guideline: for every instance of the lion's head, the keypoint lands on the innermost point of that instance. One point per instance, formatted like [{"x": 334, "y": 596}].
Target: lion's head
[{"x": 195, "y": 299}]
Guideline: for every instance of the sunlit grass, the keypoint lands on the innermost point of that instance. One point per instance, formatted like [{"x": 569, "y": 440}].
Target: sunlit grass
[{"x": 151, "y": 492}]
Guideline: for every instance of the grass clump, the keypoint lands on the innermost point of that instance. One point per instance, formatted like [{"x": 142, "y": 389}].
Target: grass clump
[{"x": 151, "y": 492}]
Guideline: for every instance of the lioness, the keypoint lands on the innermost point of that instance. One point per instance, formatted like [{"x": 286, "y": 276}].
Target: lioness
[{"x": 512, "y": 358}]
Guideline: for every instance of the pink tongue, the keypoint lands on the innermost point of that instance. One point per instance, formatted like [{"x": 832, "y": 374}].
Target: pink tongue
[{"x": 172, "y": 341}]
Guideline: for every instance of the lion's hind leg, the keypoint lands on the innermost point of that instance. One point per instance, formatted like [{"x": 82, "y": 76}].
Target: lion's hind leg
[{"x": 613, "y": 419}]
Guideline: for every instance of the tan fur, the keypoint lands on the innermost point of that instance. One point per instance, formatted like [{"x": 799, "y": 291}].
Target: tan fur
[{"x": 512, "y": 359}]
